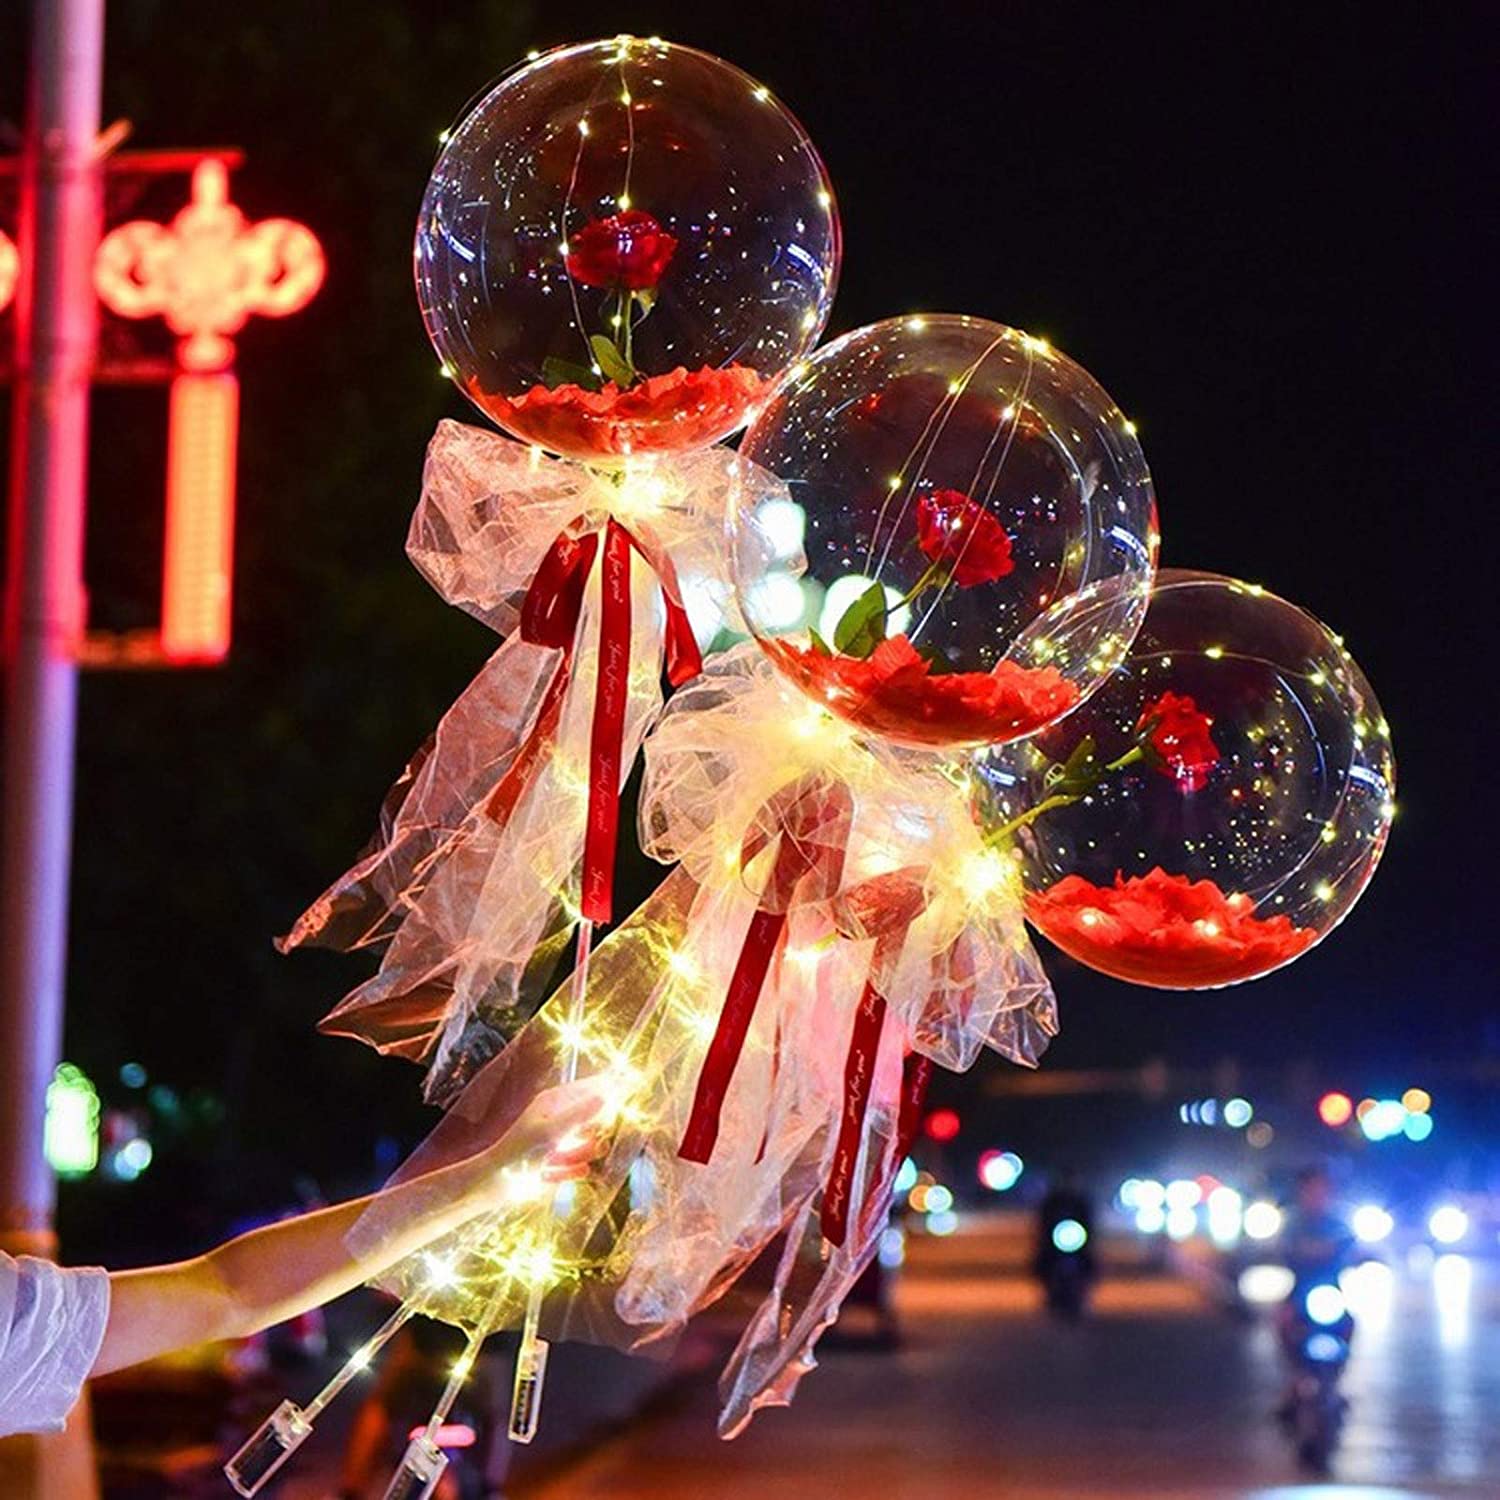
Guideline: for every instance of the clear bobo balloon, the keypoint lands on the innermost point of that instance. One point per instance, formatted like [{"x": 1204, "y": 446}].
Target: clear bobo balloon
[
  {"x": 1217, "y": 807},
  {"x": 977, "y": 523},
  {"x": 621, "y": 248}
]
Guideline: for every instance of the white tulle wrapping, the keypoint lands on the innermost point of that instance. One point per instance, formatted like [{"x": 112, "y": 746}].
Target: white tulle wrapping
[
  {"x": 650, "y": 1238},
  {"x": 469, "y": 910},
  {"x": 966, "y": 975}
]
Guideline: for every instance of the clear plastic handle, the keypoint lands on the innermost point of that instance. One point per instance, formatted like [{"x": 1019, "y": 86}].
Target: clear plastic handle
[
  {"x": 267, "y": 1448},
  {"x": 420, "y": 1470},
  {"x": 526, "y": 1398}
]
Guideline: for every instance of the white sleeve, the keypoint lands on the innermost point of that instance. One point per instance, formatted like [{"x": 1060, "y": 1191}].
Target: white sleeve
[{"x": 51, "y": 1326}]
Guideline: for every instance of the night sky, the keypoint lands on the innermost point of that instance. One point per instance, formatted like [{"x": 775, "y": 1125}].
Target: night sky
[{"x": 1260, "y": 229}]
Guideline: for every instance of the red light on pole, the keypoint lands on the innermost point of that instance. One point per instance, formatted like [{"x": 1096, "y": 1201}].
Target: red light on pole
[
  {"x": 205, "y": 274},
  {"x": 941, "y": 1125},
  {"x": 1335, "y": 1110},
  {"x": 208, "y": 270},
  {"x": 10, "y": 269},
  {"x": 199, "y": 563}
]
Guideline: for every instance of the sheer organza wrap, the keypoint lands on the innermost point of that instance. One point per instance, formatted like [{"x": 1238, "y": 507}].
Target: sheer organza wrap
[
  {"x": 896, "y": 891},
  {"x": 471, "y": 885}
]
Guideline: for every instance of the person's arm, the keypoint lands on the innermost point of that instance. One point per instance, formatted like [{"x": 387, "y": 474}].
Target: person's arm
[{"x": 280, "y": 1270}]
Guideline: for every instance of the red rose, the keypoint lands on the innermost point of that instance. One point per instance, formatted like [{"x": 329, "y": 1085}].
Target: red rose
[
  {"x": 893, "y": 692},
  {"x": 1176, "y": 731},
  {"x": 952, "y": 528},
  {"x": 630, "y": 250},
  {"x": 1165, "y": 930}
]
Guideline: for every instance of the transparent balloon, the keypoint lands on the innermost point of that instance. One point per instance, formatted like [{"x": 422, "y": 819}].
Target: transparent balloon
[
  {"x": 977, "y": 525},
  {"x": 1216, "y": 808},
  {"x": 622, "y": 247}
]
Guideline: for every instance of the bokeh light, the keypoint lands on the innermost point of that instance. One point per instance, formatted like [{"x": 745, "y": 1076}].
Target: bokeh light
[{"x": 1335, "y": 1109}]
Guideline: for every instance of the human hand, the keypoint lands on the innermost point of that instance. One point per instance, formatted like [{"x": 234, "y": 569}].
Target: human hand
[{"x": 556, "y": 1139}]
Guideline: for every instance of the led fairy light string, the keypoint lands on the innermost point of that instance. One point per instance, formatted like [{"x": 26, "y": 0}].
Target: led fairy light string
[
  {"x": 1010, "y": 424},
  {"x": 289, "y": 1426},
  {"x": 932, "y": 433},
  {"x": 423, "y": 1463},
  {"x": 531, "y": 1356},
  {"x": 564, "y": 249},
  {"x": 925, "y": 444}
]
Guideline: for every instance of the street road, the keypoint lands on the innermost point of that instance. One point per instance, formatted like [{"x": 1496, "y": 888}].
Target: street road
[{"x": 1157, "y": 1394}]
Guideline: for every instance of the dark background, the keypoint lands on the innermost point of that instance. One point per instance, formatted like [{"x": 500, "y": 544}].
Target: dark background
[{"x": 1263, "y": 229}]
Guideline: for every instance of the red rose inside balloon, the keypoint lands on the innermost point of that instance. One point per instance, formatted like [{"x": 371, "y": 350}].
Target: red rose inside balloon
[
  {"x": 1176, "y": 738},
  {"x": 964, "y": 537},
  {"x": 622, "y": 248},
  {"x": 629, "y": 250}
]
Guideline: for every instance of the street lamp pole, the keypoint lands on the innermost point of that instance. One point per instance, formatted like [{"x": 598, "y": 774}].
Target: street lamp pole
[{"x": 44, "y": 597}]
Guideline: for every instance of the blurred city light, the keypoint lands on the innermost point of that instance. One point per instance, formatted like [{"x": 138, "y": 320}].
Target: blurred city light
[
  {"x": 1182, "y": 1224},
  {"x": 1325, "y": 1304},
  {"x": 1238, "y": 1113},
  {"x": 1417, "y": 1101},
  {"x": 1262, "y": 1220},
  {"x": 1371, "y": 1223},
  {"x": 70, "y": 1134},
  {"x": 942, "y": 1223},
  {"x": 1266, "y": 1285},
  {"x": 1150, "y": 1218},
  {"x": 1225, "y": 1215},
  {"x": 1069, "y": 1236},
  {"x": 939, "y": 1199},
  {"x": 1149, "y": 1193},
  {"x": 906, "y": 1178},
  {"x": 1000, "y": 1171},
  {"x": 1452, "y": 1282},
  {"x": 1335, "y": 1110},
  {"x": 1386, "y": 1118},
  {"x": 777, "y": 601},
  {"x": 1417, "y": 1127},
  {"x": 133, "y": 1075},
  {"x": 1448, "y": 1224},
  {"x": 783, "y": 523},
  {"x": 942, "y": 1125},
  {"x": 1324, "y": 1348},
  {"x": 892, "y": 1251},
  {"x": 1370, "y": 1292},
  {"x": 1183, "y": 1193}
]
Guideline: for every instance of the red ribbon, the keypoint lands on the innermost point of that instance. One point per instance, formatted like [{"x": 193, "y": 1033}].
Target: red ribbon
[
  {"x": 859, "y": 1074},
  {"x": 766, "y": 928},
  {"x": 916, "y": 1076},
  {"x": 550, "y": 614},
  {"x": 809, "y": 818},
  {"x": 884, "y": 907},
  {"x": 611, "y": 693},
  {"x": 916, "y": 1073}
]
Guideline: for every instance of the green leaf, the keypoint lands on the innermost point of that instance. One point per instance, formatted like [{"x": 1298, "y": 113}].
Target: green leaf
[
  {"x": 1078, "y": 774},
  {"x": 611, "y": 361},
  {"x": 646, "y": 297},
  {"x": 819, "y": 645},
  {"x": 556, "y": 372},
  {"x": 861, "y": 627}
]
